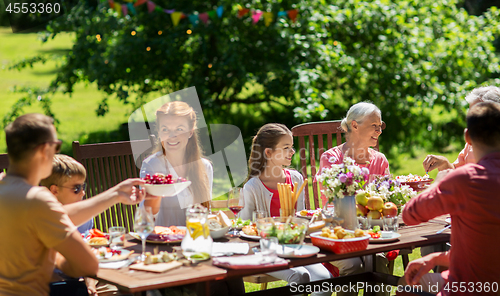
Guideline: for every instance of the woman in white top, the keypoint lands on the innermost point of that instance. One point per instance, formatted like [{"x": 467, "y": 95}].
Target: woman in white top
[{"x": 179, "y": 154}]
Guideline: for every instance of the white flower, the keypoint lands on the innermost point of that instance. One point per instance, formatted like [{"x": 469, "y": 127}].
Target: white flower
[{"x": 332, "y": 159}]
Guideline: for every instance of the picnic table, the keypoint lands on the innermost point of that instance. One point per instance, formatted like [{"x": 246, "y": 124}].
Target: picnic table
[{"x": 133, "y": 281}]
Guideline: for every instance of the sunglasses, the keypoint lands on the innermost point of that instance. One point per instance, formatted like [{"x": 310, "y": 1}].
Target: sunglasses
[{"x": 77, "y": 188}]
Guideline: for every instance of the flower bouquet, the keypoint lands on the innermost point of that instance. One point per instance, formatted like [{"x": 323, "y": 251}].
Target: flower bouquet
[{"x": 339, "y": 184}]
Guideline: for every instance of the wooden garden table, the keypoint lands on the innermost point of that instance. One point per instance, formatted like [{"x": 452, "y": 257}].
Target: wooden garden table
[{"x": 140, "y": 281}]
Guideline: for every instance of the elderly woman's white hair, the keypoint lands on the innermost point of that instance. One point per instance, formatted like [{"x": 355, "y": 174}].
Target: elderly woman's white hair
[
  {"x": 483, "y": 94},
  {"x": 358, "y": 112}
]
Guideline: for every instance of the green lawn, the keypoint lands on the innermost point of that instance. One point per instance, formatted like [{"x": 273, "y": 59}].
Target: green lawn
[{"x": 76, "y": 114}]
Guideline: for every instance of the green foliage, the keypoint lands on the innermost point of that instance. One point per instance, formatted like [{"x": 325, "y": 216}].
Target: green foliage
[{"x": 414, "y": 59}]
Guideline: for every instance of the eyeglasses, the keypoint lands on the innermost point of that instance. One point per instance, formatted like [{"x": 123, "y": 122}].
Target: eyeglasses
[
  {"x": 77, "y": 188},
  {"x": 58, "y": 145}
]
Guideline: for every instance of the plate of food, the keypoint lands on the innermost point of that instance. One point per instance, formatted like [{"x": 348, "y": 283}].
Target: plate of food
[
  {"x": 164, "y": 235},
  {"x": 105, "y": 254},
  {"x": 385, "y": 237},
  {"x": 296, "y": 251},
  {"x": 96, "y": 238},
  {"x": 416, "y": 182},
  {"x": 308, "y": 214},
  {"x": 164, "y": 185},
  {"x": 239, "y": 223},
  {"x": 250, "y": 232}
]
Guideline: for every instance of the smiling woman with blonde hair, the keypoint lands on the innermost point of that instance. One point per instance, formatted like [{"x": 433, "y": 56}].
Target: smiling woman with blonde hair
[{"x": 180, "y": 154}]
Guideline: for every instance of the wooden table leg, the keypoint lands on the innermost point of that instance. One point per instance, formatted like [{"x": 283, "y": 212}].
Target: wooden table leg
[{"x": 203, "y": 289}]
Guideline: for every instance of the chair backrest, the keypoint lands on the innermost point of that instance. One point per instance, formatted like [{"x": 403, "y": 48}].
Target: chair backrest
[
  {"x": 4, "y": 162},
  {"x": 108, "y": 164},
  {"x": 310, "y": 151}
]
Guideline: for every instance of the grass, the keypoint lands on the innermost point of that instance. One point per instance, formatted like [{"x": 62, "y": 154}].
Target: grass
[{"x": 77, "y": 117}]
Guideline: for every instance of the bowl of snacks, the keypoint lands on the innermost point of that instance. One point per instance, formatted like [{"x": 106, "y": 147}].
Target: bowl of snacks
[
  {"x": 416, "y": 182},
  {"x": 339, "y": 240},
  {"x": 288, "y": 230},
  {"x": 164, "y": 185},
  {"x": 216, "y": 229}
]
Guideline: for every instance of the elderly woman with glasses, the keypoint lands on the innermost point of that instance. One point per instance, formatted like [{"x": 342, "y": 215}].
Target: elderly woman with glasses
[{"x": 477, "y": 95}]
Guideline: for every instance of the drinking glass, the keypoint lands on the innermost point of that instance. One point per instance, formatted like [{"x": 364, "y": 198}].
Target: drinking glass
[
  {"x": 268, "y": 248},
  {"x": 116, "y": 237},
  {"x": 235, "y": 202},
  {"x": 390, "y": 223},
  {"x": 144, "y": 225},
  {"x": 258, "y": 214}
]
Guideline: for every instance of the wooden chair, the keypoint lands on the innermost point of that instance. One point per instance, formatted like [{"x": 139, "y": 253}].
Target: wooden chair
[
  {"x": 261, "y": 279},
  {"x": 4, "y": 162},
  {"x": 108, "y": 164}
]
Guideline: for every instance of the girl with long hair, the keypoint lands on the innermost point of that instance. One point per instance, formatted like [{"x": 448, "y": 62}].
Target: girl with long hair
[
  {"x": 272, "y": 151},
  {"x": 180, "y": 154}
]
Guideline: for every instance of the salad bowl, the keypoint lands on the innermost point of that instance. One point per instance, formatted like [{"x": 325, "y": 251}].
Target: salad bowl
[{"x": 288, "y": 230}]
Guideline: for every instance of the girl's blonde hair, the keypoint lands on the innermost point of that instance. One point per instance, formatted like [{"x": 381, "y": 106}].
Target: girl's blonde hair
[
  {"x": 268, "y": 136},
  {"x": 194, "y": 152}
]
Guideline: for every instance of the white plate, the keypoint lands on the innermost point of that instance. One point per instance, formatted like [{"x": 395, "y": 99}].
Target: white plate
[
  {"x": 166, "y": 189},
  {"x": 254, "y": 237},
  {"x": 114, "y": 258},
  {"x": 448, "y": 220},
  {"x": 296, "y": 251},
  {"x": 297, "y": 214},
  {"x": 395, "y": 236}
]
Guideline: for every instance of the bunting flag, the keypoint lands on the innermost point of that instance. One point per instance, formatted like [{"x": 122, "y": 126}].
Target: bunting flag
[
  {"x": 268, "y": 18},
  {"x": 292, "y": 14},
  {"x": 256, "y": 16},
  {"x": 220, "y": 10},
  {"x": 212, "y": 14},
  {"x": 176, "y": 17},
  {"x": 203, "y": 17},
  {"x": 124, "y": 9},
  {"x": 131, "y": 8},
  {"x": 242, "y": 12},
  {"x": 118, "y": 9},
  {"x": 151, "y": 6},
  {"x": 140, "y": 2},
  {"x": 193, "y": 18}
]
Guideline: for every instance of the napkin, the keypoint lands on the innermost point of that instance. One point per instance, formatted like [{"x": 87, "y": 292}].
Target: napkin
[
  {"x": 228, "y": 249},
  {"x": 249, "y": 261},
  {"x": 114, "y": 264}
]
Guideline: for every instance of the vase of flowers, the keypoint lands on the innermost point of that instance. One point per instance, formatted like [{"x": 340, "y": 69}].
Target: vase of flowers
[{"x": 339, "y": 184}]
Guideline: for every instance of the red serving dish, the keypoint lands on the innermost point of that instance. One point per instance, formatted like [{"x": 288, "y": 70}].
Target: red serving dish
[{"x": 340, "y": 246}]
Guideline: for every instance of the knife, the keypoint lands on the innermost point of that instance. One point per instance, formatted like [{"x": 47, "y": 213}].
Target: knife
[{"x": 446, "y": 227}]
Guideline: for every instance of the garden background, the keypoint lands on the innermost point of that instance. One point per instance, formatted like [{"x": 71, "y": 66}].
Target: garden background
[{"x": 416, "y": 60}]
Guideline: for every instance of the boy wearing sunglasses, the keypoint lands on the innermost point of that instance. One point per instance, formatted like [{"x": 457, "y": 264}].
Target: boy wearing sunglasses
[{"x": 67, "y": 183}]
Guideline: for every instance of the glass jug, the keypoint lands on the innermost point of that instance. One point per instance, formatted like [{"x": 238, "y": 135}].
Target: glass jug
[{"x": 197, "y": 238}]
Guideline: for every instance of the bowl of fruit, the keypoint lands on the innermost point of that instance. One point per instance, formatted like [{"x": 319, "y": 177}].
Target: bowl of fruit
[
  {"x": 417, "y": 183},
  {"x": 164, "y": 185}
]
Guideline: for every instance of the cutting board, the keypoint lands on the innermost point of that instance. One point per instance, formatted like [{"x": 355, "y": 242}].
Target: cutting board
[{"x": 157, "y": 267}]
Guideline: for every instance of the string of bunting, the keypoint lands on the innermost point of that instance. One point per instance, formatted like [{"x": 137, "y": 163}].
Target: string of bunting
[{"x": 130, "y": 8}]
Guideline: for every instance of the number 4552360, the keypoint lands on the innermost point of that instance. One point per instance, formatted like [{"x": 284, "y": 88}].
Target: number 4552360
[{"x": 25, "y": 8}]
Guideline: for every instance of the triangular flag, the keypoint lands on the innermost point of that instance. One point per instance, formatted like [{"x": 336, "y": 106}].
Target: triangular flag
[
  {"x": 158, "y": 8},
  {"x": 281, "y": 13},
  {"x": 212, "y": 14},
  {"x": 124, "y": 10},
  {"x": 242, "y": 12},
  {"x": 203, "y": 17},
  {"x": 140, "y": 2},
  {"x": 220, "y": 10},
  {"x": 118, "y": 9},
  {"x": 151, "y": 6},
  {"x": 268, "y": 18},
  {"x": 183, "y": 16},
  {"x": 176, "y": 17},
  {"x": 256, "y": 16},
  {"x": 169, "y": 11},
  {"x": 111, "y": 3},
  {"x": 193, "y": 18},
  {"x": 131, "y": 8},
  {"x": 292, "y": 14}
]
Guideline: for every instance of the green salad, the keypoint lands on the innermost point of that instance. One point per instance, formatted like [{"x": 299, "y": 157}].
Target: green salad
[
  {"x": 240, "y": 223},
  {"x": 292, "y": 234}
]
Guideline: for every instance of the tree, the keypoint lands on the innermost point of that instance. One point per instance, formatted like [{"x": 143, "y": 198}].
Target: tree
[{"x": 408, "y": 57}]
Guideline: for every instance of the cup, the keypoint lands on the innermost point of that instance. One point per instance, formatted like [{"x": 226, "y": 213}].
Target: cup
[
  {"x": 116, "y": 237},
  {"x": 390, "y": 223},
  {"x": 364, "y": 223},
  {"x": 268, "y": 248},
  {"x": 258, "y": 214}
]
